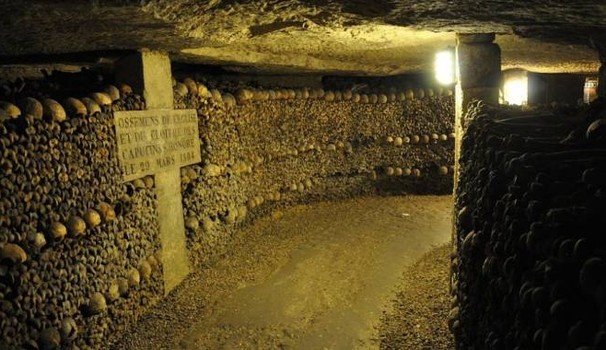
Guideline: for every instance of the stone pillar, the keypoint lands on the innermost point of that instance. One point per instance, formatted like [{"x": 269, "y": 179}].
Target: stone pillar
[
  {"x": 175, "y": 257},
  {"x": 478, "y": 70},
  {"x": 149, "y": 73},
  {"x": 478, "y": 78}
]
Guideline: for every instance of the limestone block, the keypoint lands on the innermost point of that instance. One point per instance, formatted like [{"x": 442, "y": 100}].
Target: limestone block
[
  {"x": 489, "y": 95},
  {"x": 479, "y": 65}
]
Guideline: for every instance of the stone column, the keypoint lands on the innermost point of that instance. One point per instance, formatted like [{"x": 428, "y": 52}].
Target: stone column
[
  {"x": 149, "y": 73},
  {"x": 479, "y": 78}
]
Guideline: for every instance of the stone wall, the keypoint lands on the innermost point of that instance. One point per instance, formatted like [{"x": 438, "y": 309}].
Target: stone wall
[
  {"x": 530, "y": 269},
  {"x": 263, "y": 153},
  {"x": 78, "y": 246}
]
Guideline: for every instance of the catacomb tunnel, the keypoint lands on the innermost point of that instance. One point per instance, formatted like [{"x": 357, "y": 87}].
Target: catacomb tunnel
[{"x": 302, "y": 174}]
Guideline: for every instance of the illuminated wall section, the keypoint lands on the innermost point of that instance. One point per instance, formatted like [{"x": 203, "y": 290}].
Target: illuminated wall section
[{"x": 515, "y": 87}]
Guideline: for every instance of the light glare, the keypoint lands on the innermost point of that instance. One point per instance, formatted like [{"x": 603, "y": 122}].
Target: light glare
[
  {"x": 444, "y": 67},
  {"x": 515, "y": 91}
]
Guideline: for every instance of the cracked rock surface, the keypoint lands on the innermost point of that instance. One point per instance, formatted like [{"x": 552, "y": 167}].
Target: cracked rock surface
[{"x": 327, "y": 36}]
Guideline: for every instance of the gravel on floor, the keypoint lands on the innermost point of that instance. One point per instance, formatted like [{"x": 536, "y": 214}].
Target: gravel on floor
[{"x": 419, "y": 318}]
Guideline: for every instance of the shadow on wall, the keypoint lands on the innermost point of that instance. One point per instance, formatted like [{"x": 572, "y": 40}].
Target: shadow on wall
[{"x": 566, "y": 89}]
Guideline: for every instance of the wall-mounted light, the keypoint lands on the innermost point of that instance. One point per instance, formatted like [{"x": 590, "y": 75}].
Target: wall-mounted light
[
  {"x": 515, "y": 87},
  {"x": 444, "y": 67}
]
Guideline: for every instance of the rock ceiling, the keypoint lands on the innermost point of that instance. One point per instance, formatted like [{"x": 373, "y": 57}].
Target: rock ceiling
[{"x": 373, "y": 37}]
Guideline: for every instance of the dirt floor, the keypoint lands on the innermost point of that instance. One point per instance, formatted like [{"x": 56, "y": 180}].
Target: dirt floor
[
  {"x": 311, "y": 277},
  {"x": 418, "y": 318}
]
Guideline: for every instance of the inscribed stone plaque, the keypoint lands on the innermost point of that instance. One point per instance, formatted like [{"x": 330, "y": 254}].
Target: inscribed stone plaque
[{"x": 156, "y": 140}]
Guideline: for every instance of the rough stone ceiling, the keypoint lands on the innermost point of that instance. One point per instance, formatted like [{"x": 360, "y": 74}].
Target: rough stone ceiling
[{"x": 376, "y": 37}]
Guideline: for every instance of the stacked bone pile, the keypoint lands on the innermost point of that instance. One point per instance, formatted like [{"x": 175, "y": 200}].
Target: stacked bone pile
[
  {"x": 263, "y": 149},
  {"x": 530, "y": 272},
  {"x": 77, "y": 246}
]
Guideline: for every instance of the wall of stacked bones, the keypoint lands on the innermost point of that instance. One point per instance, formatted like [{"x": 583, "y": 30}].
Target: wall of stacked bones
[
  {"x": 530, "y": 272},
  {"x": 264, "y": 149},
  {"x": 79, "y": 248}
]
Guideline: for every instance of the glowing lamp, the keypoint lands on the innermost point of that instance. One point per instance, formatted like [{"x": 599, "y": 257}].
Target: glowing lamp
[
  {"x": 515, "y": 91},
  {"x": 444, "y": 66}
]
